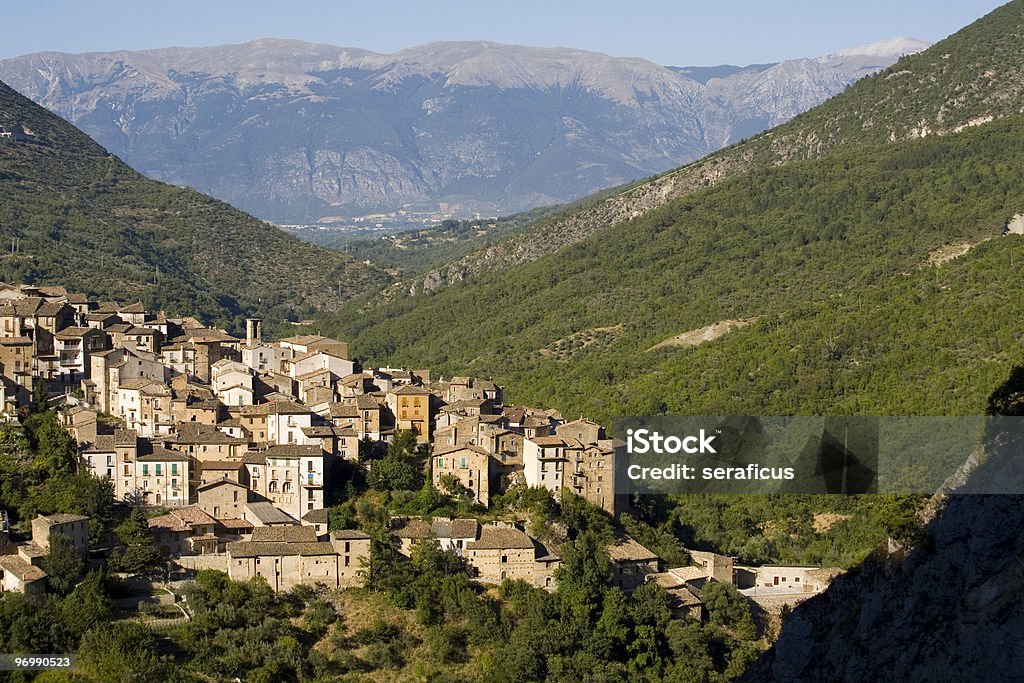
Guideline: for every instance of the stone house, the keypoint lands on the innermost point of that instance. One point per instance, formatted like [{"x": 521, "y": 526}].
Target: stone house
[
  {"x": 184, "y": 531},
  {"x": 21, "y": 576},
  {"x": 289, "y": 556},
  {"x": 73, "y": 527},
  {"x": 223, "y": 499},
  {"x": 471, "y": 465},
  {"x": 291, "y": 477},
  {"x": 410, "y": 406},
  {"x": 632, "y": 563},
  {"x": 502, "y": 553},
  {"x": 546, "y": 461},
  {"x": 163, "y": 477},
  {"x": 74, "y": 347},
  {"x": 451, "y": 534}
]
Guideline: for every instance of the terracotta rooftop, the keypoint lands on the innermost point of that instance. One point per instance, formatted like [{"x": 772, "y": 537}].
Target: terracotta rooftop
[
  {"x": 272, "y": 548},
  {"x": 20, "y": 568},
  {"x": 284, "y": 534},
  {"x": 627, "y": 550},
  {"x": 501, "y": 538}
]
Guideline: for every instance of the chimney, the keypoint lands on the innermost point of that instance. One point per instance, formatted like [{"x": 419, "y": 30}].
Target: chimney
[{"x": 253, "y": 331}]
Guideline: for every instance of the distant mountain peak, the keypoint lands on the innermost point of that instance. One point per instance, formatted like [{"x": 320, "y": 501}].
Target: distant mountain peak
[{"x": 893, "y": 48}]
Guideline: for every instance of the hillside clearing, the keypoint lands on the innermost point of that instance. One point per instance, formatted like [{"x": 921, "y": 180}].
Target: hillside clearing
[{"x": 704, "y": 334}]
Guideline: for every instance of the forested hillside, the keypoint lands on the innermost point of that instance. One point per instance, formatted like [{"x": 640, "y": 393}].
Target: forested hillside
[
  {"x": 830, "y": 256},
  {"x": 973, "y": 77},
  {"x": 72, "y": 214}
]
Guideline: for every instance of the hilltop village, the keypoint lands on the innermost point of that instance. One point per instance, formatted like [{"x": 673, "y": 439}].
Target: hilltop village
[{"x": 232, "y": 444}]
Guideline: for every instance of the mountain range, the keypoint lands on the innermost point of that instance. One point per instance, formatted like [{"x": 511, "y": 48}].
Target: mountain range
[{"x": 296, "y": 132}]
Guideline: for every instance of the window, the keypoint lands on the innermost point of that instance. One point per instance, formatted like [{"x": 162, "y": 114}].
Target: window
[
  {"x": 234, "y": 496},
  {"x": 145, "y": 470},
  {"x": 158, "y": 469}
]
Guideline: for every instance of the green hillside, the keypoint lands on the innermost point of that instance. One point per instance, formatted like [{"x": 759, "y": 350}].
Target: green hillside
[
  {"x": 82, "y": 218},
  {"x": 830, "y": 255},
  {"x": 966, "y": 80}
]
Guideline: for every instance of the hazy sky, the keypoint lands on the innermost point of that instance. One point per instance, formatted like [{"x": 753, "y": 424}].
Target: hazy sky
[{"x": 672, "y": 33}]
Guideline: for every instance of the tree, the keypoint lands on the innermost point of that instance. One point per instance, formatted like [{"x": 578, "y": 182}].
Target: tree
[
  {"x": 56, "y": 451},
  {"x": 139, "y": 556},
  {"x": 727, "y": 607},
  {"x": 40, "y": 396},
  {"x": 395, "y": 471},
  {"x": 583, "y": 579},
  {"x": 121, "y": 651},
  {"x": 63, "y": 565},
  {"x": 451, "y": 485},
  {"x": 88, "y": 604}
]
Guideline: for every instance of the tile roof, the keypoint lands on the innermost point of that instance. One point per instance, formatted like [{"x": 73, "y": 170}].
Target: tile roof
[
  {"x": 163, "y": 455},
  {"x": 63, "y": 518},
  {"x": 501, "y": 538},
  {"x": 220, "y": 482},
  {"x": 628, "y": 550},
  {"x": 409, "y": 390},
  {"x": 293, "y": 451},
  {"x": 266, "y": 513},
  {"x": 222, "y": 465},
  {"x": 272, "y": 548},
  {"x": 318, "y": 516},
  {"x": 343, "y": 410},
  {"x": 454, "y": 528},
  {"x": 285, "y": 534},
  {"x": 367, "y": 402},
  {"x": 20, "y": 568},
  {"x": 235, "y": 525},
  {"x": 193, "y": 516},
  {"x": 411, "y": 528},
  {"x": 448, "y": 450},
  {"x": 75, "y": 332},
  {"x": 305, "y": 339}
]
